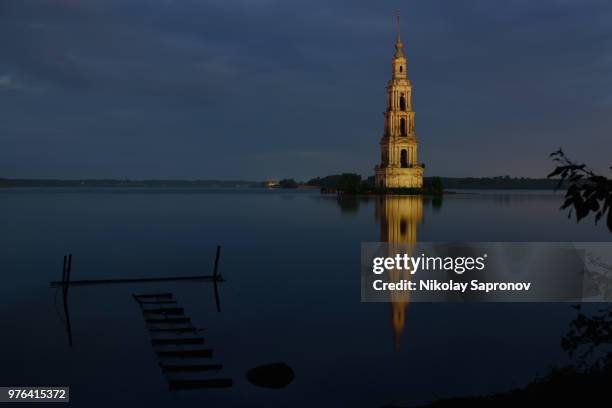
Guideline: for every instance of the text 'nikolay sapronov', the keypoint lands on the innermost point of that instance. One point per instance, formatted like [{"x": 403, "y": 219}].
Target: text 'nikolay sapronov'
[{"x": 458, "y": 265}]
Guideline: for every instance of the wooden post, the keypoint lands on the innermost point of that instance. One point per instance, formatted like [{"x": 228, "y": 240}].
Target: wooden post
[
  {"x": 215, "y": 276},
  {"x": 66, "y": 284},
  {"x": 64, "y": 269},
  {"x": 69, "y": 270},
  {"x": 217, "y": 261}
]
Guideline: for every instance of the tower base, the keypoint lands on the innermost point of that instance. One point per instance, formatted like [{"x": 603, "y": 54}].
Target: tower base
[{"x": 399, "y": 177}]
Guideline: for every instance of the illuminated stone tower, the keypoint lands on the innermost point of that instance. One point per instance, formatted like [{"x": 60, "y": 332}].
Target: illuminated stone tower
[{"x": 398, "y": 145}]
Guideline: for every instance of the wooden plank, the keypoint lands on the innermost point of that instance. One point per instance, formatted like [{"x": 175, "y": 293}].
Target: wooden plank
[
  {"x": 157, "y": 302},
  {"x": 165, "y": 311},
  {"x": 153, "y": 295},
  {"x": 176, "y": 385},
  {"x": 176, "y": 330},
  {"x": 168, "y": 320},
  {"x": 190, "y": 368},
  {"x": 177, "y": 341},
  {"x": 202, "y": 278},
  {"x": 186, "y": 353}
]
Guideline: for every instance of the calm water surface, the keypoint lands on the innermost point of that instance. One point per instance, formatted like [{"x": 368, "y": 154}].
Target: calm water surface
[{"x": 291, "y": 260}]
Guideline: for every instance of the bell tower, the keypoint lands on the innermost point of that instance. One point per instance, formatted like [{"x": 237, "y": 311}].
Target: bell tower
[{"x": 398, "y": 167}]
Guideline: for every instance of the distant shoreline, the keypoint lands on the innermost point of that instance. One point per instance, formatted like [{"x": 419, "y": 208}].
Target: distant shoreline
[
  {"x": 4, "y": 183},
  {"x": 449, "y": 183}
]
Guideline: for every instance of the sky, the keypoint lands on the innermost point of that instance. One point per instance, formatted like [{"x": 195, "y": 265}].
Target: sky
[{"x": 262, "y": 89}]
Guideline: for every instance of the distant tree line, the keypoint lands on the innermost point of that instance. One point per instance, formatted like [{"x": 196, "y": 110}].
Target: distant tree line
[
  {"x": 348, "y": 181},
  {"x": 288, "y": 183},
  {"x": 4, "y": 182},
  {"x": 352, "y": 183},
  {"x": 345, "y": 182},
  {"x": 499, "y": 183}
]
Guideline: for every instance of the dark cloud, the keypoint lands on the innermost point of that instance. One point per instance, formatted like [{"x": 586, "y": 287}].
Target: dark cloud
[
  {"x": 8, "y": 83},
  {"x": 257, "y": 89}
]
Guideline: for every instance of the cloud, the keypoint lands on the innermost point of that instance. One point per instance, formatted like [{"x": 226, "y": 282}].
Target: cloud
[
  {"x": 7, "y": 83},
  {"x": 230, "y": 88}
]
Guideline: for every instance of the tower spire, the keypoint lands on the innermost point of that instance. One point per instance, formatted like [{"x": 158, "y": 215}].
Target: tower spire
[
  {"x": 397, "y": 16},
  {"x": 398, "y": 41}
]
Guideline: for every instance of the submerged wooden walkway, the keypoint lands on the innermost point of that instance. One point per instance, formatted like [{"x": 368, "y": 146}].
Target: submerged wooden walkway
[
  {"x": 155, "y": 299},
  {"x": 202, "y": 278},
  {"x": 179, "y": 346},
  {"x": 66, "y": 281}
]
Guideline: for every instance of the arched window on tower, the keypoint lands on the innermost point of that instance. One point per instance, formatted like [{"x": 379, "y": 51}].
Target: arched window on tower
[
  {"x": 401, "y": 68},
  {"x": 403, "y": 227},
  {"x": 402, "y": 103},
  {"x": 404, "y": 158},
  {"x": 403, "y": 127}
]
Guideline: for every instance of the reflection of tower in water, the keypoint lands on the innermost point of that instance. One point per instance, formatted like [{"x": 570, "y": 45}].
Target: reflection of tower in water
[{"x": 398, "y": 216}]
